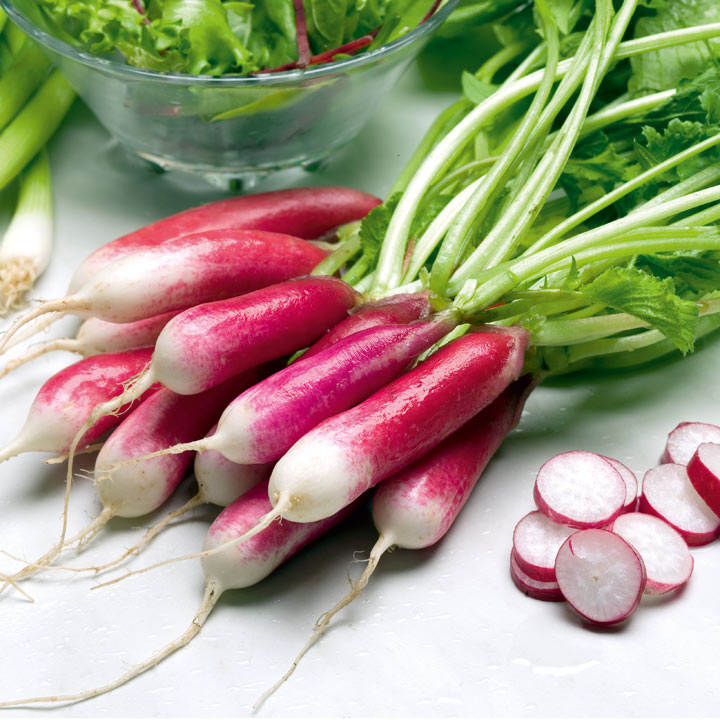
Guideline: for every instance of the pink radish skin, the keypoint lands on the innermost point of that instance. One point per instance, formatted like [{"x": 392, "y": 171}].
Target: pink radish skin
[
  {"x": 684, "y": 440},
  {"x": 389, "y": 311},
  {"x": 668, "y": 493},
  {"x": 631, "y": 484},
  {"x": 537, "y": 589},
  {"x": 665, "y": 554},
  {"x": 704, "y": 473},
  {"x": 347, "y": 454},
  {"x": 67, "y": 399},
  {"x": 266, "y": 420},
  {"x": 580, "y": 489},
  {"x": 600, "y": 575},
  {"x": 536, "y": 541},
  {"x": 303, "y": 212}
]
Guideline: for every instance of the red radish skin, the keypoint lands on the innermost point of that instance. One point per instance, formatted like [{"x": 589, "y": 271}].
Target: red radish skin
[
  {"x": 353, "y": 451},
  {"x": 580, "y": 489},
  {"x": 665, "y": 554},
  {"x": 600, "y": 575},
  {"x": 237, "y": 567},
  {"x": 303, "y": 212},
  {"x": 631, "y": 484},
  {"x": 536, "y": 541},
  {"x": 683, "y": 441},
  {"x": 182, "y": 273},
  {"x": 65, "y": 402},
  {"x": 704, "y": 473},
  {"x": 668, "y": 493},
  {"x": 389, "y": 311},
  {"x": 537, "y": 589}
]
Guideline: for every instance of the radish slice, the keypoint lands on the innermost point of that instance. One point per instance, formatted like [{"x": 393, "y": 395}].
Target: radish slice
[
  {"x": 580, "y": 489},
  {"x": 668, "y": 493},
  {"x": 667, "y": 558},
  {"x": 533, "y": 588},
  {"x": 600, "y": 575},
  {"x": 631, "y": 484},
  {"x": 704, "y": 473},
  {"x": 685, "y": 438},
  {"x": 536, "y": 541}
]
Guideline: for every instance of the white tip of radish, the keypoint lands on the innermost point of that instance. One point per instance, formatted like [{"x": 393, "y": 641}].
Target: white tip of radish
[
  {"x": 600, "y": 575},
  {"x": 580, "y": 489},
  {"x": 685, "y": 438},
  {"x": 530, "y": 586},
  {"x": 536, "y": 541},
  {"x": 704, "y": 473},
  {"x": 668, "y": 493},
  {"x": 631, "y": 484},
  {"x": 667, "y": 558}
]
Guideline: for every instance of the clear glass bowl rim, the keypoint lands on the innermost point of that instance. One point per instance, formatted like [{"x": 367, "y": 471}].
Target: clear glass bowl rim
[{"x": 130, "y": 72}]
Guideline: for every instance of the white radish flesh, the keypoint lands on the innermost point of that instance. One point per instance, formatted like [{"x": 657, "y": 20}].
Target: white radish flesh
[
  {"x": 668, "y": 493},
  {"x": 600, "y": 575},
  {"x": 580, "y": 489},
  {"x": 704, "y": 473},
  {"x": 631, "y": 484},
  {"x": 536, "y": 541},
  {"x": 538, "y": 589},
  {"x": 666, "y": 556},
  {"x": 683, "y": 441}
]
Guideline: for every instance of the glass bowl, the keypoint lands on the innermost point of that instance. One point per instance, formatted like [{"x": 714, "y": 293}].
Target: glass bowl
[{"x": 233, "y": 127}]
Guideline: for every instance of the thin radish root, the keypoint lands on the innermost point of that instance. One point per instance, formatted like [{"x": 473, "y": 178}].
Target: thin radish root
[
  {"x": 356, "y": 587},
  {"x": 212, "y": 594},
  {"x": 33, "y": 328},
  {"x": 17, "y": 276},
  {"x": 179, "y": 449},
  {"x": 57, "y": 307},
  {"x": 36, "y": 351},
  {"x": 59, "y": 459},
  {"x": 263, "y": 523},
  {"x": 7, "y": 580}
]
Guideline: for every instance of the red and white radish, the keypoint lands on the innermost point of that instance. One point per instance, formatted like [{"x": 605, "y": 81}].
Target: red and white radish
[
  {"x": 600, "y": 575},
  {"x": 631, "y": 484},
  {"x": 182, "y": 273},
  {"x": 704, "y": 473},
  {"x": 536, "y": 541},
  {"x": 683, "y": 441},
  {"x": 580, "y": 489},
  {"x": 665, "y": 554},
  {"x": 668, "y": 493},
  {"x": 302, "y": 212},
  {"x": 538, "y": 589}
]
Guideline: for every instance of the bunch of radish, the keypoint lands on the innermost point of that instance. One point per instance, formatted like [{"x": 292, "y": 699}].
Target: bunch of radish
[{"x": 596, "y": 543}]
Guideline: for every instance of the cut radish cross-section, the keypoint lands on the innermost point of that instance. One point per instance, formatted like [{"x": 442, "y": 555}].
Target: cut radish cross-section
[
  {"x": 600, "y": 575},
  {"x": 683, "y": 441},
  {"x": 580, "y": 489},
  {"x": 668, "y": 493},
  {"x": 704, "y": 473},
  {"x": 631, "y": 484},
  {"x": 667, "y": 559},
  {"x": 536, "y": 540},
  {"x": 534, "y": 588}
]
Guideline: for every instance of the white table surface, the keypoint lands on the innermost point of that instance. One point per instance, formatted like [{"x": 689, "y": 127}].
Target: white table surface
[{"x": 441, "y": 632}]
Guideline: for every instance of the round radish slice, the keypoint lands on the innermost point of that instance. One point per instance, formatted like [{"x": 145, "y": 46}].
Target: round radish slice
[
  {"x": 668, "y": 493},
  {"x": 580, "y": 489},
  {"x": 600, "y": 575},
  {"x": 631, "y": 484},
  {"x": 683, "y": 441},
  {"x": 667, "y": 558},
  {"x": 704, "y": 473},
  {"x": 531, "y": 587},
  {"x": 536, "y": 540}
]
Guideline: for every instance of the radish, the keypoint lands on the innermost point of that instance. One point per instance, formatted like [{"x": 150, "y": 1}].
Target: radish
[
  {"x": 237, "y": 567},
  {"x": 181, "y": 273},
  {"x": 580, "y": 489},
  {"x": 665, "y": 554},
  {"x": 685, "y": 438},
  {"x": 668, "y": 493},
  {"x": 401, "y": 308},
  {"x": 704, "y": 473},
  {"x": 302, "y": 212},
  {"x": 538, "y": 589},
  {"x": 631, "y": 484},
  {"x": 99, "y": 336},
  {"x": 65, "y": 402},
  {"x": 536, "y": 541},
  {"x": 600, "y": 575}
]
